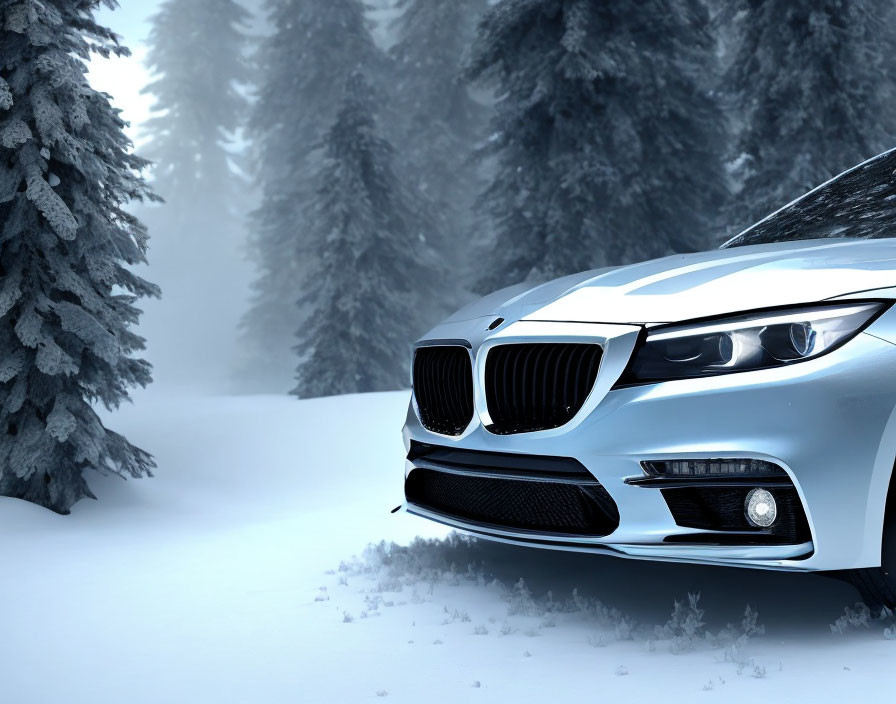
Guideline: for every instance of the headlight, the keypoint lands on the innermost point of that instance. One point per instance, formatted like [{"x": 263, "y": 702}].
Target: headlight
[{"x": 748, "y": 342}]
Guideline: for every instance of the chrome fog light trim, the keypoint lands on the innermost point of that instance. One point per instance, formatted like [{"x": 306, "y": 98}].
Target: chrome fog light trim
[{"x": 761, "y": 508}]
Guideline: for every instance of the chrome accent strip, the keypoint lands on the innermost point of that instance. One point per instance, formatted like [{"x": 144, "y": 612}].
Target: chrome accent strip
[{"x": 657, "y": 482}]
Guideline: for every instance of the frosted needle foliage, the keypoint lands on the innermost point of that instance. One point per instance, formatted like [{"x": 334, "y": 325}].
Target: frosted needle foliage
[{"x": 67, "y": 296}]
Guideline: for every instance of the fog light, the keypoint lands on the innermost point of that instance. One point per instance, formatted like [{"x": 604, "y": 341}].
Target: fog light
[{"x": 761, "y": 508}]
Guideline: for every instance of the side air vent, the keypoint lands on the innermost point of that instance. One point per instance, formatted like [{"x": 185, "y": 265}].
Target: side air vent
[
  {"x": 443, "y": 388},
  {"x": 722, "y": 509},
  {"x": 532, "y": 387}
]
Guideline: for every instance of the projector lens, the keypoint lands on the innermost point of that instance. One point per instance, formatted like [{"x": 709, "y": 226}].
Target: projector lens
[
  {"x": 759, "y": 340},
  {"x": 761, "y": 509}
]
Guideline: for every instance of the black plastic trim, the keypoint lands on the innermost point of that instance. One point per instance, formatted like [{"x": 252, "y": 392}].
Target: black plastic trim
[
  {"x": 444, "y": 343},
  {"x": 704, "y": 482},
  {"x": 499, "y": 533},
  {"x": 485, "y": 462},
  {"x": 735, "y": 539},
  {"x": 490, "y": 531}
]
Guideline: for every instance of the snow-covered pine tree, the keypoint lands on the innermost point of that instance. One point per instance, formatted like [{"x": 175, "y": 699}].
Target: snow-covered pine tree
[
  {"x": 66, "y": 296},
  {"x": 608, "y": 148},
  {"x": 439, "y": 122},
  {"x": 258, "y": 17},
  {"x": 197, "y": 54},
  {"x": 812, "y": 86},
  {"x": 302, "y": 65},
  {"x": 372, "y": 262}
]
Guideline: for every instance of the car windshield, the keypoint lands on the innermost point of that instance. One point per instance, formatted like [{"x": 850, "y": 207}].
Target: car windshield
[{"x": 859, "y": 203}]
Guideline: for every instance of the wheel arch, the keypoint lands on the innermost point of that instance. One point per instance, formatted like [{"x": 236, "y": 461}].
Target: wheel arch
[
  {"x": 881, "y": 506},
  {"x": 890, "y": 510}
]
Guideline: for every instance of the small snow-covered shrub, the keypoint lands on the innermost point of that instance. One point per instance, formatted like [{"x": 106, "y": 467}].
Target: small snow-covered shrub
[
  {"x": 372, "y": 602},
  {"x": 686, "y": 626},
  {"x": 520, "y": 601},
  {"x": 455, "y": 616},
  {"x": 623, "y": 626},
  {"x": 889, "y": 621},
  {"x": 734, "y": 639},
  {"x": 608, "y": 617},
  {"x": 506, "y": 629},
  {"x": 598, "y": 641},
  {"x": 429, "y": 561},
  {"x": 750, "y": 624},
  {"x": 852, "y": 619}
]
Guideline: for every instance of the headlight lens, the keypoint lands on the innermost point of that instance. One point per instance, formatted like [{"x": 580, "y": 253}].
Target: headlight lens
[{"x": 745, "y": 343}]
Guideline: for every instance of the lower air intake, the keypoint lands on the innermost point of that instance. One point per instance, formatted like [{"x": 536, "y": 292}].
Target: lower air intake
[
  {"x": 722, "y": 508},
  {"x": 545, "y": 507}
]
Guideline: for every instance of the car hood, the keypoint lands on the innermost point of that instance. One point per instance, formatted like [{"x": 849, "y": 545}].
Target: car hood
[{"x": 688, "y": 286}]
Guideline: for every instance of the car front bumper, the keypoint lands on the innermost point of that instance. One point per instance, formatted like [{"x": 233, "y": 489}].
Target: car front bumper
[{"x": 828, "y": 422}]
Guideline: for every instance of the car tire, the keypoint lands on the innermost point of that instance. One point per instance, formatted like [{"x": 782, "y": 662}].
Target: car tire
[{"x": 877, "y": 585}]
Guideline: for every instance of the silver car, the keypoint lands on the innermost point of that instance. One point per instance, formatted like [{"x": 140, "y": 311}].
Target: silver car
[{"x": 730, "y": 407}]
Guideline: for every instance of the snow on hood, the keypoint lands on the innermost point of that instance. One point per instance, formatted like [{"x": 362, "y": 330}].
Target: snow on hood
[{"x": 687, "y": 286}]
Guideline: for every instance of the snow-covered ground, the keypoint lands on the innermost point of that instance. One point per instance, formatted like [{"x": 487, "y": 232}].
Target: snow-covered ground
[{"x": 240, "y": 574}]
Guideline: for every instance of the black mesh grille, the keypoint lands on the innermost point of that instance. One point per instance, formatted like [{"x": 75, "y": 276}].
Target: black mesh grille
[
  {"x": 443, "y": 387},
  {"x": 542, "y": 506},
  {"x": 538, "y": 386}
]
